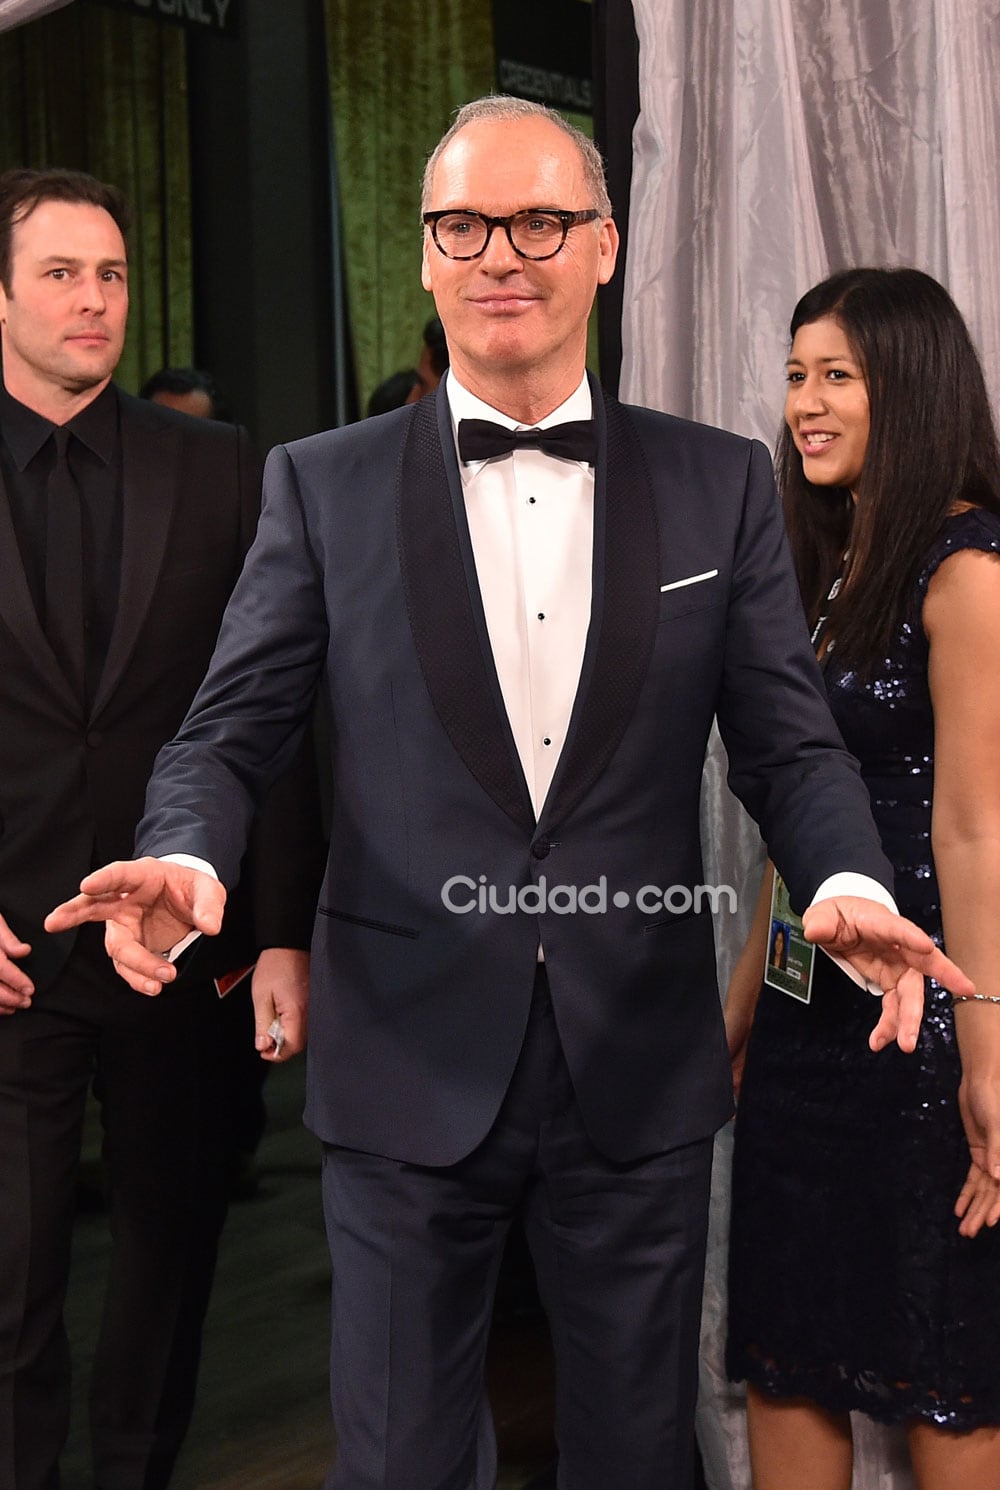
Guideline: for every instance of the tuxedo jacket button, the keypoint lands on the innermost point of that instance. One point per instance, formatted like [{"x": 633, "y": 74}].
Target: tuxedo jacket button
[
  {"x": 94, "y": 738},
  {"x": 540, "y": 850}
]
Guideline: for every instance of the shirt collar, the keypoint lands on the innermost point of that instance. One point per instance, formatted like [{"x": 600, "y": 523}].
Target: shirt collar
[
  {"x": 25, "y": 432},
  {"x": 465, "y": 405},
  {"x": 96, "y": 426}
]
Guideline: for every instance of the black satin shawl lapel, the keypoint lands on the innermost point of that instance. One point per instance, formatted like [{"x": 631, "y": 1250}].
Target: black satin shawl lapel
[
  {"x": 17, "y": 611},
  {"x": 446, "y": 612},
  {"x": 150, "y": 477},
  {"x": 624, "y": 610}
]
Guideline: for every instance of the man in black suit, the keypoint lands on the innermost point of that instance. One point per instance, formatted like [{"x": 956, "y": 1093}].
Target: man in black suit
[
  {"x": 123, "y": 528},
  {"x": 523, "y": 639}
]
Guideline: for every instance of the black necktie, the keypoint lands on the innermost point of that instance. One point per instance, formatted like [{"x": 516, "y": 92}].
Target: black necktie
[
  {"x": 64, "y": 565},
  {"x": 479, "y": 439}
]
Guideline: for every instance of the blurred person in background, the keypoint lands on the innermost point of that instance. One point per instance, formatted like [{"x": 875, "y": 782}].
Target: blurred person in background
[
  {"x": 393, "y": 392},
  {"x": 432, "y": 364},
  {"x": 187, "y": 389}
]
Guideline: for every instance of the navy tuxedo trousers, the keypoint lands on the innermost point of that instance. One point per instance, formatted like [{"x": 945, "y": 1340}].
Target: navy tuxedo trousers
[{"x": 619, "y": 1252}]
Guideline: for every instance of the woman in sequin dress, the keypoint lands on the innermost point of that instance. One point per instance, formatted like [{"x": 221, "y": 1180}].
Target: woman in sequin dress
[{"x": 865, "y": 1257}]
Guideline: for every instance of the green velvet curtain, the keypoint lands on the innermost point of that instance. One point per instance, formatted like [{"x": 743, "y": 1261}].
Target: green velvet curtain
[
  {"x": 103, "y": 92},
  {"x": 398, "y": 71}
]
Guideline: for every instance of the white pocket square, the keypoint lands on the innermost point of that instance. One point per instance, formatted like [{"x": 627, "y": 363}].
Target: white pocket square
[{"x": 692, "y": 579}]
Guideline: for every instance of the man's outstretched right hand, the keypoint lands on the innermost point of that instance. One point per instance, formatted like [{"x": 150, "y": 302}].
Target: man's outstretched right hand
[{"x": 148, "y": 905}]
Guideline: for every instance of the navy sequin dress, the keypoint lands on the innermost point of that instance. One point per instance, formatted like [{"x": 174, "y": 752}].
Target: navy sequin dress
[{"x": 849, "y": 1282}]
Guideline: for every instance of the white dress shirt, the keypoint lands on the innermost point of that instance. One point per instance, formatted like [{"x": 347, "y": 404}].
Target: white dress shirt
[{"x": 531, "y": 522}]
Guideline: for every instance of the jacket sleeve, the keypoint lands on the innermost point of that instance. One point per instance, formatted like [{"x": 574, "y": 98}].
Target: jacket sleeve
[
  {"x": 245, "y": 747},
  {"x": 787, "y": 762}
]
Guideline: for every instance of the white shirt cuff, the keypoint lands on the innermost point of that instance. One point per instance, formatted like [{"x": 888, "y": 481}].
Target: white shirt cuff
[
  {"x": 849, "y": 883},
  {"x": 190, "y": 861}
]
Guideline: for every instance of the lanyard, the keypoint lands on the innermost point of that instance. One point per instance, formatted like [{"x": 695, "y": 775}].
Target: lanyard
[{"x": 819, "y": 630}]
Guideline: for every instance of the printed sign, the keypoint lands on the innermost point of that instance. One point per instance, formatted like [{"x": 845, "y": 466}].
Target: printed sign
[
  {"x": 200, "y": 15},
  {"x": 543, "y": 52}
]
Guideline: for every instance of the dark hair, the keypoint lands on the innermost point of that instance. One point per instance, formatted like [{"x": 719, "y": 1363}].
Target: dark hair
[
  {"x": 932, "y": 443},
  {"x": 437, "y": 345},
  {"x": 22, "y": 190},
  {"x": 393, "y": 393},
  {"x": 186, "y": 380}
]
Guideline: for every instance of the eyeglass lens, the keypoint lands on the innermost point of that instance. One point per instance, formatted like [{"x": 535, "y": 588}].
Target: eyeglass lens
[{"x": 535, "y": 234}]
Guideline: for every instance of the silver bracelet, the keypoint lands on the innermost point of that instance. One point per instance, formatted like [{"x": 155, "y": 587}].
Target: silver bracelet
[{"x": 975, "y": 998}]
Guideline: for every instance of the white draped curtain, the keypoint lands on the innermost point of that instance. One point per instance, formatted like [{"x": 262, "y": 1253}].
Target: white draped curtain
[
  {"x": 16, "y": 12},
  {"x": 778, "y": 141}
]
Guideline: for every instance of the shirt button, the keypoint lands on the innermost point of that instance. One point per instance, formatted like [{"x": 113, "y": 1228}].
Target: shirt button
[
  {"x": 541, "y": 615},
  {"x": 531, "y": 501},
  {"x": 546, "y": 740}
]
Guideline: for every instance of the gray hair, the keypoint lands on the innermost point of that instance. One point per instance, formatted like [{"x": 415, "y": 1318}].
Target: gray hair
[{"x": 499, "y": 107}]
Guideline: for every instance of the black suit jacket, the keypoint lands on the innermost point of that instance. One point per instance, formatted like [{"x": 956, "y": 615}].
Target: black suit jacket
[
  {"x": 362, "y": 575},
  {"x": 72, "y": 783}
]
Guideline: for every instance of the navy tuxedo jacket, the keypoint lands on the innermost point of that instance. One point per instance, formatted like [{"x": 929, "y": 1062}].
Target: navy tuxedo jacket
[
  {"x": 73, "y": 781},
  {"x": 362, "y": 576}
]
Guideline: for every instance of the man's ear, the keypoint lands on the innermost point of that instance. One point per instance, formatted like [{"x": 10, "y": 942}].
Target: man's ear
[
  {"x": 608, "y": 243},
  {"x": 425, "y": 265}
]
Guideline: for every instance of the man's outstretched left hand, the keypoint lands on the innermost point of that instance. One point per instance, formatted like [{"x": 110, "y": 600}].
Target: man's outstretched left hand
[{"x": 890, "y": 953}]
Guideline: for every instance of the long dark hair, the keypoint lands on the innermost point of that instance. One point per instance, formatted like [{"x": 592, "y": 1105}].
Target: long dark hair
[{"x": 932, "y": 443}]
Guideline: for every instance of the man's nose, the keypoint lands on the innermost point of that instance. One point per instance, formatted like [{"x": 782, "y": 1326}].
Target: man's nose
[
  {"x": 498, "y": 257},
  {"x": 91, "y": 294}
]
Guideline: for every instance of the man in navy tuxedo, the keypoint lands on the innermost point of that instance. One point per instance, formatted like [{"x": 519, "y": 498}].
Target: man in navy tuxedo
[{"x": 523, "y": 632}]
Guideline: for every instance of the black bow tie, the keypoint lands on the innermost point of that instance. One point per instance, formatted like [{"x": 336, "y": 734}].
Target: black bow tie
[{"x": 479, "y": 439}]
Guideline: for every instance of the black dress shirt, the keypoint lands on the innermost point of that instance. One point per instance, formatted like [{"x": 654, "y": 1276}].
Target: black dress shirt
[{"x": 27, "y": 452}]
